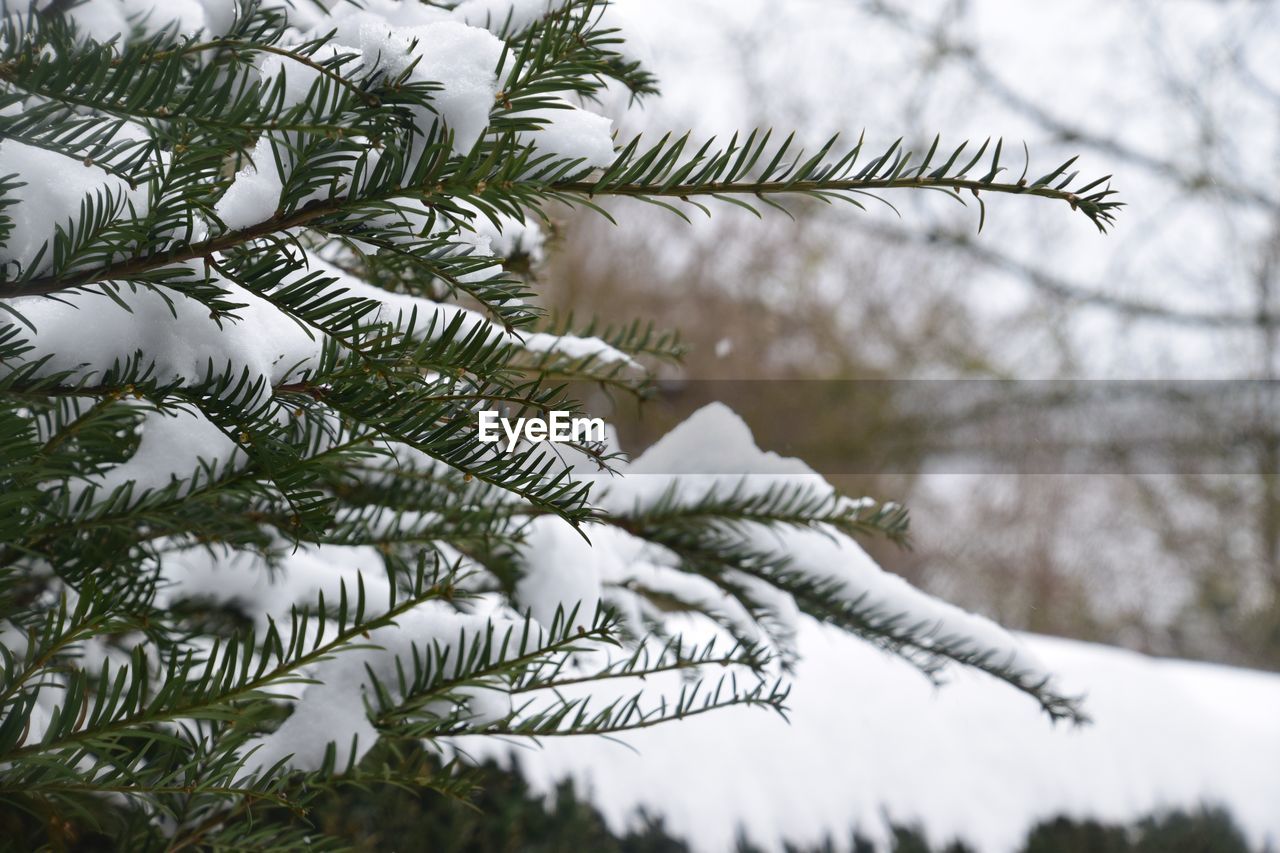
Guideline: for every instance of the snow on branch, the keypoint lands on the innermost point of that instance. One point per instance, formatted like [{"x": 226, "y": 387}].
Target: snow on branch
[{"x": 261, "y": 271}]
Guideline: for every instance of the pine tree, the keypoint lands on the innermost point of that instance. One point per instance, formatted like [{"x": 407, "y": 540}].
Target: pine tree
[{"x": 263, "y": 268}]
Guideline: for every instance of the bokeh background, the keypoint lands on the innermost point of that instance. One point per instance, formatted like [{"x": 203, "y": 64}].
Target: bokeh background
[{"x": 1178, "y": 99}]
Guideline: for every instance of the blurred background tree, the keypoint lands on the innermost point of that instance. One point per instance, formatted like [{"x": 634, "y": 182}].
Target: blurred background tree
[{"x": 1183, "y": 99}]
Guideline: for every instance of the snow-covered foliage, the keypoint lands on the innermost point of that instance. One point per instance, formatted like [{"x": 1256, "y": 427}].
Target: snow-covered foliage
[
  {"x": 261, "y": 273},
  {"x": 869, "y": 745}
]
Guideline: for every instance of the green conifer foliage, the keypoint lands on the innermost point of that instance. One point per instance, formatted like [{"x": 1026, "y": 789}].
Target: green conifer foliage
[{"x": 259, "y": 272}]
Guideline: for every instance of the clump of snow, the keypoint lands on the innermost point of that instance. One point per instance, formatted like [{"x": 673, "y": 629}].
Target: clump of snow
[
  {"x": 396, "y": 14},
  {"x": 572, "y": 133},
  {"x": 86, "y": 333},
  {"x": 472, "y": 237},
  {"x": 691, "y": 590},
  {"x": 722, "y": 443},
  {"x": 298, "y": 77},
  {"x": 105, "y": 20},
  {"x": 230, "y": 578},
  {"x": 219, "y": 16},
  {"x": 117, "y": 20},
  {"x": 55, "y": 188},
  {"x": 562, "y": 571},
  {"x": 173, "y": 446},
  {"x": 508, "y": 236},
  {"x": 462, "y": 60},
  {"x": 712, "y": 450},
  {"x": 254, "y": 195},
  {"x": 510, "y": 16},
  {"x": 102, "y": 21},
  {"x": 185, "y": 17},
  {"x": 334, "y": 709},
  {"x": 430, "y": 317},
  {"x": 573, "y": 346}
]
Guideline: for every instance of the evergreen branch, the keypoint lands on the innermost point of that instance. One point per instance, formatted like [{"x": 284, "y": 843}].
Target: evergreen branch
[
  {"x": 228, "y": 675},
  {"x": 61, "y": 631},
  {"x": 136, "y": 268},
  {"x": 1091, "y": 206},
  {"x": 576, "y": 717},
  {"x": 143, "y": 790},
  {"x": 793, "y": 504},
  {"x": 237, "y": 45},
  {"x": 481, "y": 666},
  {"x": 652, "y": 175},
  {"x": 643, "y": 662},
  {"x": 710, "y": 552}
]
